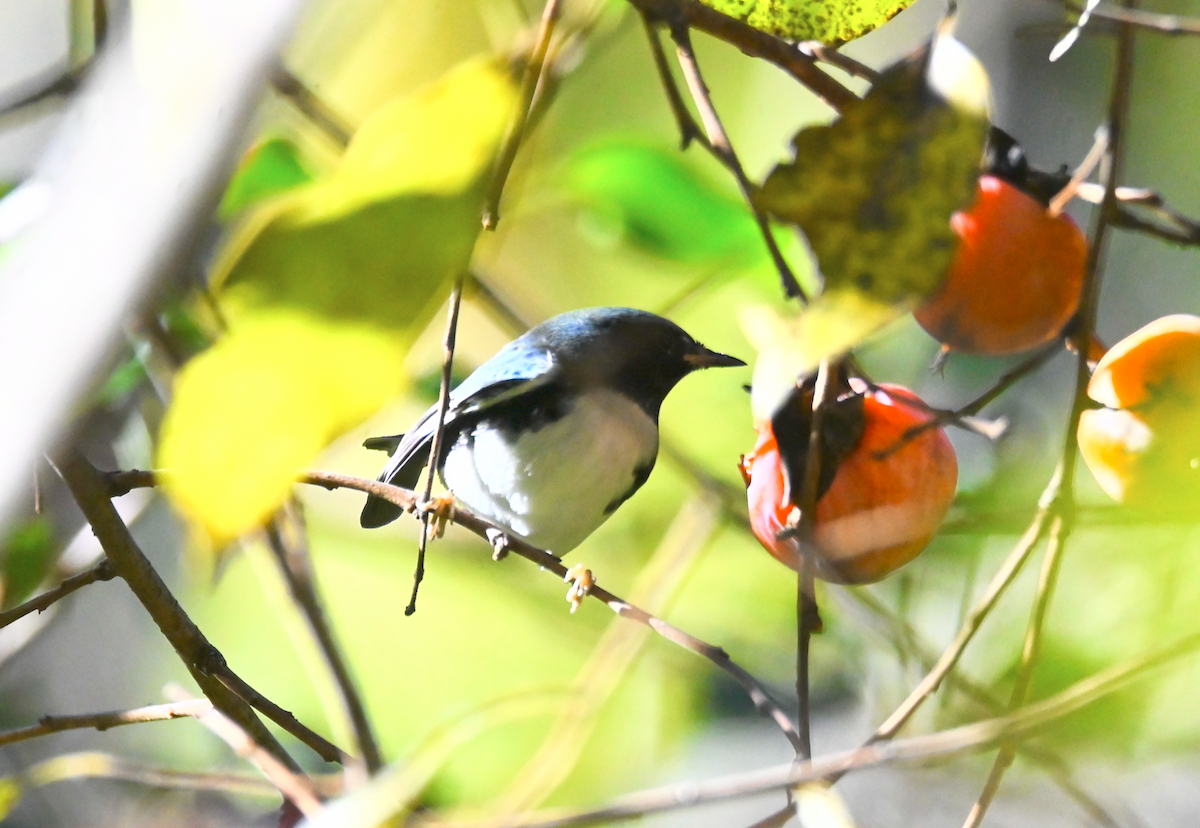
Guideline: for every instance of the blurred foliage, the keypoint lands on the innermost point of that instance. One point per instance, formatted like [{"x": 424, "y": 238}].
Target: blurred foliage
[
  {"x": 10, "y": 795},
  {"x": 829, "y": 22},
  {"x": 333, "y": 314},
  {"x": 27, "y": 557},
  {"x": 324, "y": 286}
]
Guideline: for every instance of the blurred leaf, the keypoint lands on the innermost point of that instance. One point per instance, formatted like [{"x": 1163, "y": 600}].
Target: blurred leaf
[
  {"x": 874, "y": 193},
  {"x": 123, "y": 380},
  {"x": 271, "y": 167},
  {"x": 376, "y": 240},
  {"x": 26, "y": 559},
  {"x": 830, "y": 22},
  {"x": 660, "y": 205},
  {"x": 325, "y": 286},
  {"x": 10, "y": 795},
  {"x": 252, "y": 411}
]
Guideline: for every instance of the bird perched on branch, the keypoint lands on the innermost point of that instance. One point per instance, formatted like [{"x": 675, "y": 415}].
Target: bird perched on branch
[{"x": 557, "y": 430}]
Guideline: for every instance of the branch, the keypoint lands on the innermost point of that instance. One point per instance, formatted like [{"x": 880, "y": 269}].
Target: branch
[
  {"x": 102, "y": 571},
  {"x": 91, "y": 491},
  {"x": 1059, "y": 498},
  {"x": 534, "y": 70},
  {"x": 311, "y": 106},
  {"x": 1168, "y": 24},
  {"x": 435, "y": 448},
  {"x": 295, "y": 564},
  {"x": 719, "y": 145},
  {"x": 691, "y": 14},
  {"x": 410, "y": 501},
  {"x": 971, "y": 737},
  {"x": 1175, "y": 226},
  {"x": 106, "y": 721},
  {"x": 292, "y": 783}
]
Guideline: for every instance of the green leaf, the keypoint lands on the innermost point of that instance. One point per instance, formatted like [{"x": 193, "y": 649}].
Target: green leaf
[
  {"x": 874, "y": 193},
  {"x": 27, "y": 557},
  {"x": 324, "y": 286},
  {"x": 661, "y": 205},
  {"x": 269, "y": 168},
  {"x": 829, "y": 21}
]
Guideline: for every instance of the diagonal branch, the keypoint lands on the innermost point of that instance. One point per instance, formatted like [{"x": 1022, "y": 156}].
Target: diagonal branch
[
  {"x": 719, "y": 145},
  {"x": 102, "y": 571},
  {"x": 107, "y": 721},
  {"x": 92, "y": 492}
]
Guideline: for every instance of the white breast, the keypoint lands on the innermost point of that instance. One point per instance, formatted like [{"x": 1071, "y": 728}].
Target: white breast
[{"x": 552, "y": 486}]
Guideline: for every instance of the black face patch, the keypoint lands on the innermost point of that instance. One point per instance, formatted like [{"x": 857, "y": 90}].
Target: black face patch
[{"x": 640, "y": 475}]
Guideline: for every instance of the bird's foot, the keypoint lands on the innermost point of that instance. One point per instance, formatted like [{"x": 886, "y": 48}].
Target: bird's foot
[
  {"x": 499, "y": 541},
  {"x": 581, "y": 581},
  {"x": 440, "y": 512}
]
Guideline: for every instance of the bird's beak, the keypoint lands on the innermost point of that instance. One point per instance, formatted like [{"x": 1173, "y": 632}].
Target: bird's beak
[{"x": 704, "y": 358}]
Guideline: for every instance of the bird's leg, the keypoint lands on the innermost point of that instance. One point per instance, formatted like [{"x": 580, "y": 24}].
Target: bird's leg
[
  {"x": 440, "y": 511},
  {"x": 499, "y": 541},
  {"x": 581, "y": 581}
]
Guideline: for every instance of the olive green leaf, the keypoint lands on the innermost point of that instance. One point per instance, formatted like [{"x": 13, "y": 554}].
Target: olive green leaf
[
  {"x": 270, "y": 167},
  {"x": 324, "y": 286},
  {"x": 874, "y": 193},
  {"x": 829, "y": 21}
]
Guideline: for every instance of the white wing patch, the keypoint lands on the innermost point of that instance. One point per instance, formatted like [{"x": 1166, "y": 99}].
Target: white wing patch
[{"x": 551, "y": 487}]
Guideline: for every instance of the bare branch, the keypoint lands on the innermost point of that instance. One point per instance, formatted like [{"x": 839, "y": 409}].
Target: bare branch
[
  {"x": 534, "y": 70},
  {"x": 107, "y": 721},
  {"x": 750, "y": 41},
  {"x": 435, "y": 449},
  {"x": 295, "y": 564},
  {"x": 967, "y": 738},
  {"x": 720, "y": 146},
  {"x": 100, "y": 572},
  {"x": 91, "y": 492},
  {"x": 311, "y": 106},
  {"x": 1168, "y": 24},
  {"x": 293, "y": 784}
]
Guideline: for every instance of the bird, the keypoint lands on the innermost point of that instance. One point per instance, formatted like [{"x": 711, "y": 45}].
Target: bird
[{"x": 551, "y": 435}]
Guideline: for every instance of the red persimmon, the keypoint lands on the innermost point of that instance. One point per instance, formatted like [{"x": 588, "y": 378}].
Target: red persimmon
[{"x": 884, "y": 500}]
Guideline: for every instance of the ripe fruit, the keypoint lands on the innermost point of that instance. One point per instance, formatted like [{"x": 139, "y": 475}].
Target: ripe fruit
[
  {"x": 1016, "y": 276},
  {"x": 882, "y": 500},
  {"x": 1143, "y": 447}
]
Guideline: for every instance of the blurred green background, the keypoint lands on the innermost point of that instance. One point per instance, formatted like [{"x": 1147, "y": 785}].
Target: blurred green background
[{"x": 601, "y": 209}]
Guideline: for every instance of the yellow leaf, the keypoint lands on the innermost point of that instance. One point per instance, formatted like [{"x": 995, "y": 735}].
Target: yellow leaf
[
  {"x": 253, "y": 411},
  {"x": 10, "y": 795}
]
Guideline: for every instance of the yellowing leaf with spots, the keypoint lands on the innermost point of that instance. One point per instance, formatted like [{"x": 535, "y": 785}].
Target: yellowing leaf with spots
[
  {"x": 829, "y": 21},
  {"x": 325, "y": 285},
  {"x": 874, "y": 193}
]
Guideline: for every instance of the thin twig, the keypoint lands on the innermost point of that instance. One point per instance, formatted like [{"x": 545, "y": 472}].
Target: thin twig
[
  {"x": 60, "y": 84},
  {"x": 778, "y": 819},
  {"x": 408, "y": 500},
  {"x": 957, "y": 740},
  {"x": 311, "y": 106},
  {"x": 295, "y": 563},
  {"x": 99, "y": 765},
  {"x": 834, "y": 57},
  {"x": 1062, "y": 502},
  {"x": 1030, "y": 654},
  {"x": 689, "y": 130},
  {"x": 106, "y": 721},
  {"x": 722, "y": 149},
  {"x": 808, "y": 620},
  {"x": 435, "y": 449},
  {"x": 1063, "y": 197},
  {"x": 91, "y": 492},
  {"x": 294, "y": 785},
  {"x": 102, "y": 571},
  {"x": 750, "y": 41},
  {"x": 942, "y": 418},
  {"x": 516, "y": 128},
  {"x": 284, "y": 718},
  {"x": 1168, "y": 24},
  {"x": 1185, "y": 232}
]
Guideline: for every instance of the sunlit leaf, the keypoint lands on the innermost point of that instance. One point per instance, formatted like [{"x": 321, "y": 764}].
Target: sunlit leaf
[
  {"x": 325, "y": 286},
  {"x": 272, "y": 167},
  {"x": 250, "y": 413},
  {"x": 874, "y": 193},
  {"x": 830, "y": 21},
  {"x": 659, "y": 204},
  {"x": 10, "y": 795}
]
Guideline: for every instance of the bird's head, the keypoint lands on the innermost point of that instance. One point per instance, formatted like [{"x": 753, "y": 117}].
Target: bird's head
[{"x": 634, "y": 352}]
